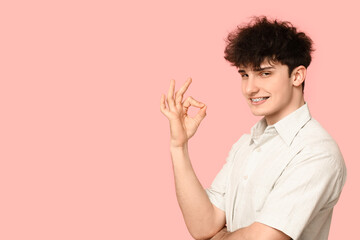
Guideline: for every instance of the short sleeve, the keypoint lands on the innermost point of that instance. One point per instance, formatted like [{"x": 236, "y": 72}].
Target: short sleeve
[
  {"x": 217, "y": 190},
  {"x": 310, "y": 184}
]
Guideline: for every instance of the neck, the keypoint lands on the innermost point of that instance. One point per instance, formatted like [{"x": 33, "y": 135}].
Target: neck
[{"x": 296, "y": 103}]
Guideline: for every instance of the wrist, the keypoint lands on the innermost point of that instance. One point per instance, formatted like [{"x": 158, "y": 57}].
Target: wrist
[
  {"x": 179, "y": 151},
  {"x": 180, "y": 156},
  {"x": 177, "y": 147}
]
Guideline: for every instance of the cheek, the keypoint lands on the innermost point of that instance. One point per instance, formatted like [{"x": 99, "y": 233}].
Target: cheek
[
  {"x": 243, "y": 88},
  {"x": 285, "y": 94},
  {"x": 280, "y": 88}
]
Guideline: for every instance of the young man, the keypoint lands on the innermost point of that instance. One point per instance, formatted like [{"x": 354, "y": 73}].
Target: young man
[{"x": 281, "y": 181}]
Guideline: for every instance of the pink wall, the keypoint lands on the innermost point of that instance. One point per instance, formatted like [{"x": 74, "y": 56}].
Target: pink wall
[{"x": 83, "y": 145}]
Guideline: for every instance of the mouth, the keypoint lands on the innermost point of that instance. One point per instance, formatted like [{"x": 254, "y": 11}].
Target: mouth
[{"x": 258, "y": 100}]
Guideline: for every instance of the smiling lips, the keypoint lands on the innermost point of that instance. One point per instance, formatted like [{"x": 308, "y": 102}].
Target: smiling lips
[{"x": 259, "y": 100}]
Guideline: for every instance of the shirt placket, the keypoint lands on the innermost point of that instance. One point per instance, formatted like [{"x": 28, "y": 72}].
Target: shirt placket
[{"x": 254, "y": 159}]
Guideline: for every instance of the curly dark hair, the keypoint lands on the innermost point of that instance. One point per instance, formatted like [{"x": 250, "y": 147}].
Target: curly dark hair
[{"x": 274, "y": 41}]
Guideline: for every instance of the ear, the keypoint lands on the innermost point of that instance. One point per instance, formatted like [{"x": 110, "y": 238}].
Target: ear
[{"x": 298, "y": 75}]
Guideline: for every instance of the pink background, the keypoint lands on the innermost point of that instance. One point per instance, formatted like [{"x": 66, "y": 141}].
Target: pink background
[{"x": 83, "y": 145}]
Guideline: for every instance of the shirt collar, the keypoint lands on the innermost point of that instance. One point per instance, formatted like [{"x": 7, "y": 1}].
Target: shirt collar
[{"x": 287, "y": 128}]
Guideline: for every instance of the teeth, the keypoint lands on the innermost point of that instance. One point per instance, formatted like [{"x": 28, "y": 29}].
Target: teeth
[{"x": 258, "y": 99}]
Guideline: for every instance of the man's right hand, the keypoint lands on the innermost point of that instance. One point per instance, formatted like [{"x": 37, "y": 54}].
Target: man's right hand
[
  {"x": 182, "y": 126},
  {"x": 202, "y": 218}
]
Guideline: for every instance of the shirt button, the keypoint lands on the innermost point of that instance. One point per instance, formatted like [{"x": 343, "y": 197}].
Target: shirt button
[{"x": 245, "y": 177}]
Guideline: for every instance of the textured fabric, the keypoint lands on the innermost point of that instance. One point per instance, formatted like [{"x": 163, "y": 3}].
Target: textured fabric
[{"x": 288, "y": 176}]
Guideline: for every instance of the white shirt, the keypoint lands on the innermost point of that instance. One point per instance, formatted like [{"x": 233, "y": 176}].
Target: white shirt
[{"x": 288, "y": 176}]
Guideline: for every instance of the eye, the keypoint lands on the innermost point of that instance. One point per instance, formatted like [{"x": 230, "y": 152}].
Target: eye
[
  {"x": 244, "y": 75},
  {"x": 265, "y": 74}
]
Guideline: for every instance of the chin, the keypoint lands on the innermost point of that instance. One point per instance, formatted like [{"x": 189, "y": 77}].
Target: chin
[{"x": 258, "y": 112}]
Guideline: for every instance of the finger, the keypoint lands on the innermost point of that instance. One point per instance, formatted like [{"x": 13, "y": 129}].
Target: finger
[
  {"x": 170, "y": 97},
  {"x": 201, "y": 114},
  {"x": 163, "y": 108},
  {"x": 190, "y": 101},
  {"x": 179, "y": 94}
]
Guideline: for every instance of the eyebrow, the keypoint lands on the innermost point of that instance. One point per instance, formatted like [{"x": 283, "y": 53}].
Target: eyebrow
[{"x": 257, "y": 69}]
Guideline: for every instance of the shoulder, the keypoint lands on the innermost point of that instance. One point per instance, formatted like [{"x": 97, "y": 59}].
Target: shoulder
[
  {"x": 320, "y": 150},
  {"x": 315, "y": 139},
  {"x": 242, "y": 143},
  {"x": 319, "y": 162},
  {"x": 244, "y": 140}
]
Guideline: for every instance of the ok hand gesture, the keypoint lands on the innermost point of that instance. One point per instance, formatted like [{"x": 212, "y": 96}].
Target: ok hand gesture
[{"x": 182, "y": 127}]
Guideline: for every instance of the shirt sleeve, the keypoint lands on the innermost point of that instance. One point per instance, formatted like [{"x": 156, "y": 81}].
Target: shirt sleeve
[
  {"x": 218, "y": 188},
  {"x": 310, "y": 184}
]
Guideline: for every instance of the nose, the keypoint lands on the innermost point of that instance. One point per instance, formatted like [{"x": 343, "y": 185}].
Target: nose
[{"x": 250, "y": 86}]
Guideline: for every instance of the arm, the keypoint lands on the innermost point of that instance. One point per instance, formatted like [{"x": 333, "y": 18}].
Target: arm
[
  {"x": 202, "y": 219},
  {"x": 256, "y": 231}
]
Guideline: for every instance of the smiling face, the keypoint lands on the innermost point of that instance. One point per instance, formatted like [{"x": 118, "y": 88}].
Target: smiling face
[{"x": 270, "y": 92}]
